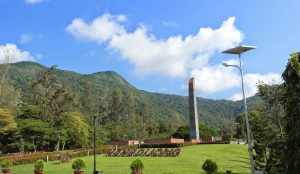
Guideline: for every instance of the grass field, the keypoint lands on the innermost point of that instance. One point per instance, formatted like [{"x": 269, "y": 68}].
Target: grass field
[{"x": 227, "y": 156}]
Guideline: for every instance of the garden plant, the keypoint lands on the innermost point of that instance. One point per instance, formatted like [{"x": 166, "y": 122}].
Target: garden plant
[
  {"x": 78, "y": 165},
  {"x": 136, "y": 166},
  {"x": 5, "y": 166},
  {"x": 39, "y": 167},
  {"x": 210, "y": 166}
]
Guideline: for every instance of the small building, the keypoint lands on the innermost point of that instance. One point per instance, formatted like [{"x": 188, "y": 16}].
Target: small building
[
  {"x": 209, "y": 139},
  {"x": 123, "y": 142},
  {"x": 164, "y": 141}
]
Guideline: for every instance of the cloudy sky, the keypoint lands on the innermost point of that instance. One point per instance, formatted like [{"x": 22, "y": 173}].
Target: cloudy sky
[{"x": 156, "y": 45}]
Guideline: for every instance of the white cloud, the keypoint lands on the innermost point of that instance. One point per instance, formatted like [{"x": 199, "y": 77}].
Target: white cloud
[
  {"x": 173, "y": 57},
  {"x": 251, "y": 81},
  {"x": 100, "y": 30},
  {"x": 25, "y": 38},
  {"x": 211, "y": 79},
  {"x": 16, "y": 54},
  {"x": 34, "y": 1}
]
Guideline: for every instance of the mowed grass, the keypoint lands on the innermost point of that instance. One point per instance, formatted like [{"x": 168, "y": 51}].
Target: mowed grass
[{"x": 227, "y": 156}]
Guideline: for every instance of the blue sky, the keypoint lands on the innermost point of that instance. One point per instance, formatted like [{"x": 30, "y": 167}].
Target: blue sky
[{"x": 156, "y": 45}]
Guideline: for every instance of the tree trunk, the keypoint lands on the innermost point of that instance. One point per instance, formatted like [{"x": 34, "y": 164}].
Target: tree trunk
[{"x": 63, "y": 146}]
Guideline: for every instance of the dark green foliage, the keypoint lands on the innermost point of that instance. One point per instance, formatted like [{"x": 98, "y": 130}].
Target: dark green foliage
[
  {"x": 136, "y": 165},
  {"x": 291, "y": 77},
  {"x": 87, "y": 100},
  {"x": 53, "y": 101},
  {"x": 204, "y": 131},
  {"x": 30, "y": 111},
  {"x": 182, "y": 132},
  {"x": 210, "y": 166},
  {"x": 228, "y": 128},
  {"x": 39, "y": 165},
  {"x": 264, "y": 135},
  {"x": 51, "y": 96},
  {"x": 36, "y": 134},
  {"x": 78, "y": 164},
  {"x": 241, "y": 126},
  {"x": 212, "y": 111},
  {"x": 176, "y": 122},
  {"x": 8, "y": 127},
  {"x": 267, "y": 124},
  {"x": 150, "y": 122}
]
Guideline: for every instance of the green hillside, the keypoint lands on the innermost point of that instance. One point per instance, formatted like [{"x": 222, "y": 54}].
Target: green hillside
[{"x": 211, "y": 112}]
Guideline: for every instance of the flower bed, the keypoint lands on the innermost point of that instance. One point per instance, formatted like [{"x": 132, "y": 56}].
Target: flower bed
[{"x": 28, "y": 158}]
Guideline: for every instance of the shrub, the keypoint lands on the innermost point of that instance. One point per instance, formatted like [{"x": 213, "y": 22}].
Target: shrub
[
  {"x": 210, "y": 166},
  {"x": 78, "y": 164},
  {"x": 136, "y": 165},
  {"x": 39, "y": 165},
  {"x": 5, "y": 164},
  {"x": 160, "y": 145},
  {"x": 65, "y": 157}
]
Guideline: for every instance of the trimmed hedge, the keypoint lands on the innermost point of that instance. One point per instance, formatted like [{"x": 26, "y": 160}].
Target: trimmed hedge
[
  {"x": 166, "y": 145},
  {"x": 160, "y": 146},
  {"x": 217, "y": 142}
]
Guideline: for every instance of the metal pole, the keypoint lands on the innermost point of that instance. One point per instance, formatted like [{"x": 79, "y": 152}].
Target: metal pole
[
  {"x": 247, "y": 120},
  {"x": 94, "y": 144}
]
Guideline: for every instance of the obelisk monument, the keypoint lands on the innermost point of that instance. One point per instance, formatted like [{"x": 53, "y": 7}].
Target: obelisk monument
[{"x": 194, "y": 127}]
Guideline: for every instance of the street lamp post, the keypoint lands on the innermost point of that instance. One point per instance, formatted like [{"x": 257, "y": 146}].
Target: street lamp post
[
  {"x": 94, "y": 144},
  {"x": 238, "y": 51}
]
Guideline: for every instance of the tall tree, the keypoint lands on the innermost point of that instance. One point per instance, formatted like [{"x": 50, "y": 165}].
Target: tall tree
[
  {"x": 88, "y": 102},
  {"x": 176, "y": 122},
  {"x": 131, "y": 122},
  {"x": 9, "y": 96},
  {"x": 8, "y": 56},
  {"x": 272, "y": 96},
  {"x": 36, "y": 134},
  {"x": 52, "y": 97},
  {"x": 103, "y": 110},
  {"x": 265, "y": 135},
  {"x": 273, "y": 123},
  {"x": 228, "y": 128},
  {"x": 241, "y": 127},
  {"x": 76, "y": 132},
  {"x": 117, "y": 106},
  {"x": 149, "y": 119},
  {"x": 291, "y": 77}
]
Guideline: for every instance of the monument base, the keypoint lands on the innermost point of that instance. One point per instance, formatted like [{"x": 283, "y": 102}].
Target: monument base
[
  {"x": 164, "y": 141},
  {"x": 194, "y": 141}
]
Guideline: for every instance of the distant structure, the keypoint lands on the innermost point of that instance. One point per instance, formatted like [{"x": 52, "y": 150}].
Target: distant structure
[{"x": 194, "y": 127}]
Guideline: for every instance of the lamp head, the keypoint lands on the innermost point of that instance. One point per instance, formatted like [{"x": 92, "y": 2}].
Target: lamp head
[{"x": 225, "y": 64}]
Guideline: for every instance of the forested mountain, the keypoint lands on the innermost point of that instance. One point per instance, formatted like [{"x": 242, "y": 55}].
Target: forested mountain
[{"x": 211, "y": 112}]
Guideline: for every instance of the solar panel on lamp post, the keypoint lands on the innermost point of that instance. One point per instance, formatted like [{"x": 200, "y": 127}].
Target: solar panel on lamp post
[{"x": 238, "y": 51}]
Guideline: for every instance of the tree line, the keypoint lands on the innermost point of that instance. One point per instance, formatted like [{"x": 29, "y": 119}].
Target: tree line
[
  {"x": 53, "y": 117},
  {"x": 275, "y": 124}
]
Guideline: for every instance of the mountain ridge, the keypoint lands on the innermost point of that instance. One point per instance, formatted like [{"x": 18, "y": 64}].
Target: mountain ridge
[{"x": 211, "y": 112}]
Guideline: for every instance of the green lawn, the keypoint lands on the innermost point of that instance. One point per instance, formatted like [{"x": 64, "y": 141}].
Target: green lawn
[{"x": 233, "y": 156}]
